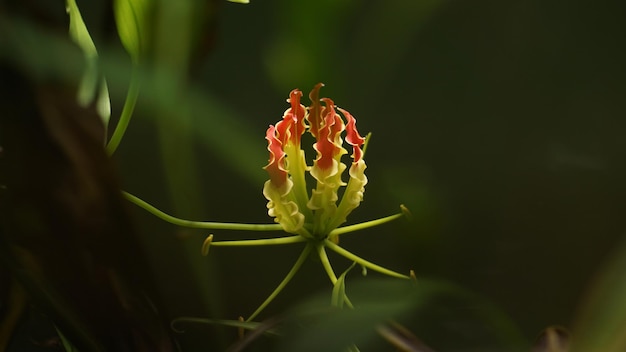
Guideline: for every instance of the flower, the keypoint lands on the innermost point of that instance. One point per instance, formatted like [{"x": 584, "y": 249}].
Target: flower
[{"x": 313, "y": 216}]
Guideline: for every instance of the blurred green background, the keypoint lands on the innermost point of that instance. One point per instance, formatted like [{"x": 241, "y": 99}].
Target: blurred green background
[{"x": 499, "y": 124}]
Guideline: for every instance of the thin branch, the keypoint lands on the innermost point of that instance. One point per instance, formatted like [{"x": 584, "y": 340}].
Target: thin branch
[
  {"x": 363, "y": 225},
  {"x": 350, "y": 256},
  {"x": 199, "y": 224},
  {"x": 294, "y": 269}
]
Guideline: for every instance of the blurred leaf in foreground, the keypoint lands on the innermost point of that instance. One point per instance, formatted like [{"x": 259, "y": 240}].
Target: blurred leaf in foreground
[
  {"x": 601, "y": 324},
  {"x": 64, "y": 231},
  {"x": 131, "y": 17},
  {"x": 91, "y": 81},
  {"x": 552, "y": 339},
  {"x": 462, "y": 319}
]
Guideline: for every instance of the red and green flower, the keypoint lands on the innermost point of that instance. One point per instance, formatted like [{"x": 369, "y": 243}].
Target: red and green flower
[{"x": 313, "y": 214}]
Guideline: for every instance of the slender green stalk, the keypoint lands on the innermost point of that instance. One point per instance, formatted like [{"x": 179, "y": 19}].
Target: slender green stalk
[
  {"x": 127, "y": 112},
  {"x": 352, "y": 228},
  {"x": 321, "y": 251},
  {"x": 294, "y": 269},
  {"x": 230, "y": 323},
  {"x": 208, "y": 242},
  {"x": 199, "y": 224},
  {"x": 261, "y": 242},
  {"x": 361, "y": 261},
  {"x": 326, "y": 264}
]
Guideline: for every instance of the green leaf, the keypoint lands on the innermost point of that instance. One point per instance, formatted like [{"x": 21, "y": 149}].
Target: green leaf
[
  {"x": 103, "y": 104},
  {"x": 131, "y": 17},
  {"x": 445, "y": 316},
  {"x": 338, "y": 296},
  {"x": 67, "y": 345},
  {"x": 602, "y": 321},
  {"x": 90, "y": 83}
]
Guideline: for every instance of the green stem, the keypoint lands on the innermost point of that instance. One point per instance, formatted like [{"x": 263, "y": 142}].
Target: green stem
[
  {"x": 321, "y": 251},
  {"x": 360, "y": 226},
  {"x": 294, "y": 269},
  {"x": 127, "y": 112},
  {"x": 230, "y": 323},
  {"x": 326, "y": 264},
  {"x": 361, "y": 261},
  {"x": 261, "y": 242},
  {"x": 199, "y": 224}
]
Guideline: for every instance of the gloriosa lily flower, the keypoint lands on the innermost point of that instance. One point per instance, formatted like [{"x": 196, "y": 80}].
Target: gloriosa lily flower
[
  {"x": 289, "y": 203},
  {"x": 314, "y": 217}
]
